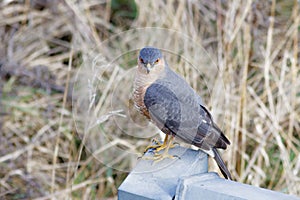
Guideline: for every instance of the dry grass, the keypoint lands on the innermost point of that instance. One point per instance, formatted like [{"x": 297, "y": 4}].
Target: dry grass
[{"x": 255, "y": 97}]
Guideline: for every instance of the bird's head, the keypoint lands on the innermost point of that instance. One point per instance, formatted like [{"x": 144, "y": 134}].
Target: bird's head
[{"x": 150, "y": 60}]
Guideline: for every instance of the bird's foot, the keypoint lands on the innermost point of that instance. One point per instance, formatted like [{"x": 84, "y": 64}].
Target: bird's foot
[
  {"x": 159, "y": 157},
  {"x": 159, "y": 145}
]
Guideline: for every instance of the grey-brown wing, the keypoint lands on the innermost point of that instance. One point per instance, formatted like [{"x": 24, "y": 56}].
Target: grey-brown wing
[
  {"x": 163, "y": 107},
  {"x": 181, "y": 114}
]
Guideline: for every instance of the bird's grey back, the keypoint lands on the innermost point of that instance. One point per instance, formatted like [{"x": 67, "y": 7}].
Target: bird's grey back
[
  {"x": 175, "y": 107},
  {"x": 185, "y": 114},
  {"x": 179, "y": 86}
]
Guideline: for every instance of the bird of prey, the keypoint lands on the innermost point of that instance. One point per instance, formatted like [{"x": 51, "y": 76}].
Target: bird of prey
[{"x": 167, "y": 100}]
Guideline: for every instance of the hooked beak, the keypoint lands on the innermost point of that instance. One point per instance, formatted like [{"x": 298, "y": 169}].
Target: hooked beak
[{"x": 148, "y": 67}]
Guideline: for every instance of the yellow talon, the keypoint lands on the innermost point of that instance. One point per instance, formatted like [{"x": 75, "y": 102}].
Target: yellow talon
[
  {"x": 160, "y": 146},
  {"x": 156, "y": 141},
  {"x": 166, "y": 145}
]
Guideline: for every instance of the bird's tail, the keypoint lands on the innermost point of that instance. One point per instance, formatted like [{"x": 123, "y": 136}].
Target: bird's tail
[{"x": 221, "y": 164}]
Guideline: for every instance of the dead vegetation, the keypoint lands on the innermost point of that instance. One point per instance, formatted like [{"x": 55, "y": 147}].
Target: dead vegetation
[{"x": 254, "y": 93}]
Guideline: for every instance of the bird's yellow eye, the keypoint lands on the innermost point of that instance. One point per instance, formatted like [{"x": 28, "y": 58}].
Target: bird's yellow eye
[
  {"x": 157, "y": 61},
  {"x": 141, "y": 59}
]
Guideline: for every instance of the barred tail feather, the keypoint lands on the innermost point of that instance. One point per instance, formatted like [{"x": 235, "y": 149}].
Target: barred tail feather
[{"x": 221, "y": 164}]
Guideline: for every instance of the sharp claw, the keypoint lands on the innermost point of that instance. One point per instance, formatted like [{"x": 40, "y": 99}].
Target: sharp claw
[
  {"x": 166, "y": 145},
  {"x": 151, "y": 148}
]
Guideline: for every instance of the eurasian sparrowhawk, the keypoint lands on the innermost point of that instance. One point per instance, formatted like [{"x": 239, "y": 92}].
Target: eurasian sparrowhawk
[{"x": 173, "y": 106}]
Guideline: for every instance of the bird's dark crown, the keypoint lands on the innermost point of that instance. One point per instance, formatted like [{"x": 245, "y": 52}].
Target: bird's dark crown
[{"x": 150, "y": 55}]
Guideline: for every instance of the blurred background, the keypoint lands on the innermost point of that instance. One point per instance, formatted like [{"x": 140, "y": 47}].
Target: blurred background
[{"x": 66, "y": 70}]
